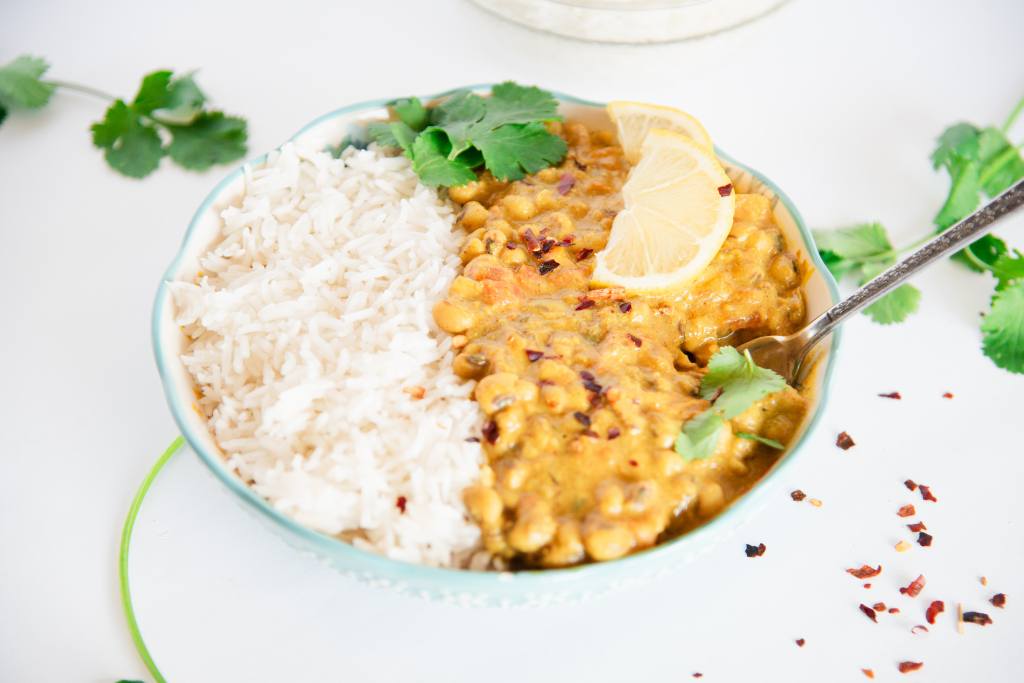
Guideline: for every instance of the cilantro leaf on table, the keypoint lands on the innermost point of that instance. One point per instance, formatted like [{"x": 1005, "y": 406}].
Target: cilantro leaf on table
[
  {"x": 211, "y": 138},
  {"x": 131, "y": 146},
  {"x": 430, "y": 160},
  {"x": 734, "y": 382},
  {"x": 863, "y": 251},
  {"x": 1003, "y": 329},
  {"x": 153, "y": 92},
  {"x": 504, "y": 133},
  {"x": 513, "y": 150},
  {"x": 700, "y": 435},
  {"x": 184, "y": 101},
  {"x": 21, "y": 84},
  {"x": 1007, "y": 269}
]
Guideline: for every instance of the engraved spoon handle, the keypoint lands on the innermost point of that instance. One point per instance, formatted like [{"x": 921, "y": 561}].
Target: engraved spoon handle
[{"x": 961, "y": 234}]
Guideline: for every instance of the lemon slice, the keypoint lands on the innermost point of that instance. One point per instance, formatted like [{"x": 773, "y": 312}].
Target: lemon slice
[
  {"x": 634, "y": 119},
  {"x": 678, "y": 209}
]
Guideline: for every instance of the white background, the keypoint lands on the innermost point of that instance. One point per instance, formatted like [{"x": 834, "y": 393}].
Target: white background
[{"x": 837, "y": 101}]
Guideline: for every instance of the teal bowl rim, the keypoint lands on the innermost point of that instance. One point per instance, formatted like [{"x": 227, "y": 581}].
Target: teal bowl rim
[{"x": 465, "y": 580}]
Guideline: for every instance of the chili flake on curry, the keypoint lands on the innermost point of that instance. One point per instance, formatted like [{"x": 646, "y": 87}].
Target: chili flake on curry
[{"x": 586, "y": 389}]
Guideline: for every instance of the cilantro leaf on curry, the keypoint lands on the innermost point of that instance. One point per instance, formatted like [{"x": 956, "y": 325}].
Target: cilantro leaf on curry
[
  {"x": 504, "y": 133},
  {"x": 732, "y": 384}
]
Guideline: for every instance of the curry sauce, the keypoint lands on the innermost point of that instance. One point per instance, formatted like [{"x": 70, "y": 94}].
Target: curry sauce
[{"x": 585, "y": 390}]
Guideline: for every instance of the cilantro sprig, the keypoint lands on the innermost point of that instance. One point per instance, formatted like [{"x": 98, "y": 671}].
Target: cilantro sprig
[
  {"x": 981, "y": 163},
  {"x": 167, "y": 117},
  {"x": 732, "y": 383},
  {"x": 503, "y": 133}
]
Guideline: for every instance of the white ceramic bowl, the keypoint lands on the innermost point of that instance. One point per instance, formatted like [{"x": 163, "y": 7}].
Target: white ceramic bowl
[{"x": 458, "y": 586}]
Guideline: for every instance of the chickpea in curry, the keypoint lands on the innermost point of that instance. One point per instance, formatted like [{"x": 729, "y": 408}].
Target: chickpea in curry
[{"x": 584, "y": 390}]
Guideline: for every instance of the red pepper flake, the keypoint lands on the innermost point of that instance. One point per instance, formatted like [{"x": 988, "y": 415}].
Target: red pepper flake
[
  {"x": 582, "y": 418},
  {"x": 697, "y": 674},
  {"x": 947, "y": 395},
  {"x": 534, "y": 356},
  {"x": 613, "y": 433},
  {"x": 490, "y": 431},
  {"x": 755, "y": 550},
  {"x": 844, "y": 441},
  {"x": 867, "y": 585},
  {"x": 878, "y": 607},
  {"x": 547, "y": 245},
  {"x": 893, "y": 610},
  {"x": 800, "y": 642},
  {"x": 907, "y": 667},
  {"x": 473, "y": 439},
  {"x": 924, "y": 539},
  {"x": 625, "y": 306},
  {"x": 532, "y": 243},
  {"x": 926, "y": 493},
  {"x": 592, "y": 386},
  {"x": 587, "y": 375},
  {"x": 891, "y": 394},
  {"x": 906, "y": 511},
  {"x": 935, "y": 609},
  {"x": 584, "y": 254},
  {"x": 797, "y": 495},
  {"x": 400, "y": 504},
  {"x": 865, "y": 571},
  {"x": 637, "y": 341},
  {"x": 591, "y": 433},
  {"x": 920, "y": 628},
  {"x": 565, "y": 183},
  {"x": 917, "y": 526},
  {"x": 511, "y": 245},
  {"x": 546, "y": 267},
  {"x": 725, "y": 190},
  {"x": 633, "y": 463},
  {"x": 567, "y": 240},
  {"x": 585, "y": 303},
  {"x": 979, "y": 618},
  {"x": 868, "y": 672},
  {"x": 914, "y": 588},
  {"x": 870, "y": 613},
  {"x": 909, "y": 483},
  {"x": 999, "y": 600}
]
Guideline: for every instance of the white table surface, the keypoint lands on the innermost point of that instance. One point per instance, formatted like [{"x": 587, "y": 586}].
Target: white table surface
[{"x": 839, "y": 102}]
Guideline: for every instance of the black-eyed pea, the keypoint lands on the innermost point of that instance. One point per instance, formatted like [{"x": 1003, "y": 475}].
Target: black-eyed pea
[
  {"x": 547, "y": 200},
  {"x": 648, "y": 525},
  {"x": 474, "y": 215},
  {"x": 563, "y": 225},
  {"x": 494, "y": 242},
  {"x": 597, "y": 188},
  {"x": 710, "y": 500},
  {"x": 503, "y": 226},
  {"x": 553, "y": 371},
  {"x": 534, "y": 526},
  {"x": 567, "y": 546},
  {"x": 554, "y": 397},
  {"x": 578, "y": 209},
  {"x": 510, "y": 423},
  {"x": 526, "y": 391},
  {"x": 453, "y": 317},
  {"x": 466, "y": 287},
  {"x": 549, "y": 175},
  {"x": 519, "y": 208},
  {"x": 513, "y": 257},
  {"x": 610, "y": 498},
  {"x": 783, "y": 270},
  {"x": 496, "y": 392},
  {"x": 668, "y": 463},
  {"x": 468, "y": 192},
  {"x": 471, "y": 248},
  {"x": 640, "y": 495},
  {"x": 513, "y": 474},
  {"x": 486, "y": 476},
  {"x": 605, "y": 539},
  {"x": 470, "y": 365},
  {"x": 484, "y": 504}
]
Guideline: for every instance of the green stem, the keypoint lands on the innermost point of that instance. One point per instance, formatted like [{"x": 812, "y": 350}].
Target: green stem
[
  {"x": 122, "y": 564},
  {"x": 1008, "y": 154},
  {"x": 83, "y": 89},
  {"x": 969, "y": 255},
  {"x": 1013, "y": 116}
]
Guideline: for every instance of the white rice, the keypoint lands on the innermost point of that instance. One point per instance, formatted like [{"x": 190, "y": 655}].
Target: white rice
[{"x": 311, "y": 314}]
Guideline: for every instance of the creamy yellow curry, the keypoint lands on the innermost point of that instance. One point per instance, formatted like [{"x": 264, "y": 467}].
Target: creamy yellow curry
[{"x": 586, "y": 389}]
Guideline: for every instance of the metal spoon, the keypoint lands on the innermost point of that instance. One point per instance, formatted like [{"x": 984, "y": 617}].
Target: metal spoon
[{"x": 790, "y": 355}]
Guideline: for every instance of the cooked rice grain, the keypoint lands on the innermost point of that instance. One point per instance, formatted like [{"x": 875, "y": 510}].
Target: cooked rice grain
[{"x": 312, "y": 313}]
